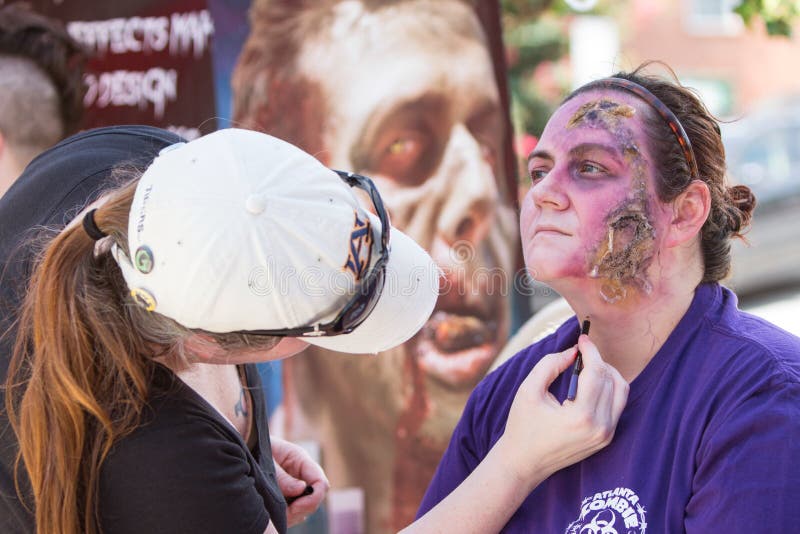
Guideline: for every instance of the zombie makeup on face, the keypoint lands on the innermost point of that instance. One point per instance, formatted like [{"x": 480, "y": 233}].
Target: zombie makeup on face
[{"x": 621, "y": 259}]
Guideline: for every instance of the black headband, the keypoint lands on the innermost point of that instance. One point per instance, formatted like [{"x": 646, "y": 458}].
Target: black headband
[{"x": 661, "y": 108}]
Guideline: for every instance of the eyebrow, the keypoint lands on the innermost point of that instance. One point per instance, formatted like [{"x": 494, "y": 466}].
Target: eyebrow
[{"x": 579, "y": 150}]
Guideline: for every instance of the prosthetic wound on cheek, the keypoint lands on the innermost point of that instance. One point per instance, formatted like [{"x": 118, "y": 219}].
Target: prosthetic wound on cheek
[{"x": 622, "y": 257}]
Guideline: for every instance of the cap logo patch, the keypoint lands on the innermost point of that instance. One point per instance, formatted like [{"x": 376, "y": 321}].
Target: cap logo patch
[
  {"x": 360, "y": 253},
  {"x": 143, "y": 259},
  {"x": 144, "y": 298}
]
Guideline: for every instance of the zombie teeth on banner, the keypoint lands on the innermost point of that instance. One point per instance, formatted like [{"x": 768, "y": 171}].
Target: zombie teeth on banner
[{"x": 616, "y": 511}]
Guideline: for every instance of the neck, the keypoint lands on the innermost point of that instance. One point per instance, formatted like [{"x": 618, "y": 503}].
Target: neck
[
  {"x": 628, "y": 333},
  {"x": 221, "y": 386}
]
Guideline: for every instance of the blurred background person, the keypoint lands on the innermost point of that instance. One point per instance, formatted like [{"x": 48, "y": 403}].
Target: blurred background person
[
  {"x": 403, "y": 91},
  {"x": 41, "y": 87}
]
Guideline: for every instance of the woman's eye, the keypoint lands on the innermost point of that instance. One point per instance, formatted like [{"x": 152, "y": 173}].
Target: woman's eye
[
  {"x": 590, "y": 168},
  {"x": 538, "y": 174}
]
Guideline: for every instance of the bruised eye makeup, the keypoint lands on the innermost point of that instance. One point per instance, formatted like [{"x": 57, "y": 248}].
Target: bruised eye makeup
[{"x": 621, "y": 259}]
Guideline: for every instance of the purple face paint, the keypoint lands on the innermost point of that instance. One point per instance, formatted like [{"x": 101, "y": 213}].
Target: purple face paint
[{"x": 621, "y": 259}]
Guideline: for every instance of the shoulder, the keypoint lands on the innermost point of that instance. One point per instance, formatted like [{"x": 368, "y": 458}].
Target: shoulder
[
  {"x": 176, "y": 436},
  {"x": 187, "y": 468},
  {"x": 751, "y": 347},
  {"x": 749, "y": 372}
]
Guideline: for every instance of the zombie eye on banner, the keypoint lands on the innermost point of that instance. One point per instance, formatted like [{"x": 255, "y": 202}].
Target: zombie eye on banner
[{"x": 409, "y": 92}]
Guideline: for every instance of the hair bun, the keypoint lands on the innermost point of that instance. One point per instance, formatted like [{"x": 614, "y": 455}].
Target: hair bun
[{"x": 743, "y": 201}]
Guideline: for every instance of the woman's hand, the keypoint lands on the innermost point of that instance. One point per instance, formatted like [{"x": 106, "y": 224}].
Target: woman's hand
[
  {"x": 295, "y": 470},
  {"x": 543, "y": 436}
]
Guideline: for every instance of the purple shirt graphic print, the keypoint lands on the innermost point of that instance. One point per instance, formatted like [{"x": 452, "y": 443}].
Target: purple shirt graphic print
[
  {"x": 708, "y": 441},
  {"x": 610, "y": 512}
]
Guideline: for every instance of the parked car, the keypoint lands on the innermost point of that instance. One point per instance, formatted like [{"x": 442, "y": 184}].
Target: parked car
[{"x": 763, "y": 152}]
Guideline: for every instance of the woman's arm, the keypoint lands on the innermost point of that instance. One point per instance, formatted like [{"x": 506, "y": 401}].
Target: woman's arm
[{"x": 540, "y": 438}]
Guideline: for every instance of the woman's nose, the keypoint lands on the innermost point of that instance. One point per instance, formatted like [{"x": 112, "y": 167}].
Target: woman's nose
[{"x": 549, "y": 191}]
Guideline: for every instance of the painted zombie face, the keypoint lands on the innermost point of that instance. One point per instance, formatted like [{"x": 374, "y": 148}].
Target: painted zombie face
[
  {"x": 592, "y": 215},
  {"x": 421, "y": 115},
  {"x": 411, "y": 101}
]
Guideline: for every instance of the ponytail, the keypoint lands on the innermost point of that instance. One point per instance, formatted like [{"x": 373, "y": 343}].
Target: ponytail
[{"x": 79, "y": 373}]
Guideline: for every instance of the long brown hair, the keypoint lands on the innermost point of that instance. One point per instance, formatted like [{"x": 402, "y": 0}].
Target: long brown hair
[{"x": 79, "y": 373}]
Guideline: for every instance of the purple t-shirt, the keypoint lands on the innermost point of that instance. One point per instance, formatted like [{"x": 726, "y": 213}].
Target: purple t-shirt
[{"x": 708, "y": 442}]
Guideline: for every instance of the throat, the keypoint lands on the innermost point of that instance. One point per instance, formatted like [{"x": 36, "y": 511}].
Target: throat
[
  {"x": 224, "y": 387},
  {"x": 629, "y": 338}
]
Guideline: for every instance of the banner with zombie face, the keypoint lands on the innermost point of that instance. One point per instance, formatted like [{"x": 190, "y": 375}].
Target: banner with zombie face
[{"x": 404, "y": 92}]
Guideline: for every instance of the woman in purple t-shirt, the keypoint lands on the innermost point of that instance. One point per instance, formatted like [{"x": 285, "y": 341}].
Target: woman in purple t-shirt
[{"x": 629, "y": 218}]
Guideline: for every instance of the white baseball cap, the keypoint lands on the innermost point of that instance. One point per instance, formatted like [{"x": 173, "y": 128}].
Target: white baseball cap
[{"x": 240, "y": 231}]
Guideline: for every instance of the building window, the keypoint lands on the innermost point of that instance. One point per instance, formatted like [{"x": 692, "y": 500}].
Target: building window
[
  {"x": 716, "y": 93},
  {"x": 712, "y": 17}
]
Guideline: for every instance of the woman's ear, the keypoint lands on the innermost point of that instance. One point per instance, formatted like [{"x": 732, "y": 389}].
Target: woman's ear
[
  {"x": 204, "y": 347},
  {"x": 690, "y": 210}
]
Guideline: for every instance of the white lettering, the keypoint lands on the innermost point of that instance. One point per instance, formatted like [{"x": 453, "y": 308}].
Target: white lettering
[
  {"x": 120, "y": 88},
  {"x": 628, "y": 511},
  {"x": 190, "y": 31},
  {"x": 184, "y": 33},
  {"x": 597, "y": 505},
  {"x": 614, "y": 502}
]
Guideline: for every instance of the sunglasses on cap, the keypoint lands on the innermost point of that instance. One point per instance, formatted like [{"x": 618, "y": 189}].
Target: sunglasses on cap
[{"x": 369, "y": 291}]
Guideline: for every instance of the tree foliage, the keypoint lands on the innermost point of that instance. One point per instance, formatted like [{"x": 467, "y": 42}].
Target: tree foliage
[{"x": 778, "y": 15}]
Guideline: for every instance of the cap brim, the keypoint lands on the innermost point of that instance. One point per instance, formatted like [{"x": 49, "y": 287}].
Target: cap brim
[{"x": 407, "y": 301}]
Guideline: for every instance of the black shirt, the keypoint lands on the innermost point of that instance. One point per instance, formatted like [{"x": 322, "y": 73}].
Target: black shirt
[{"x": 186, "y": 469}]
